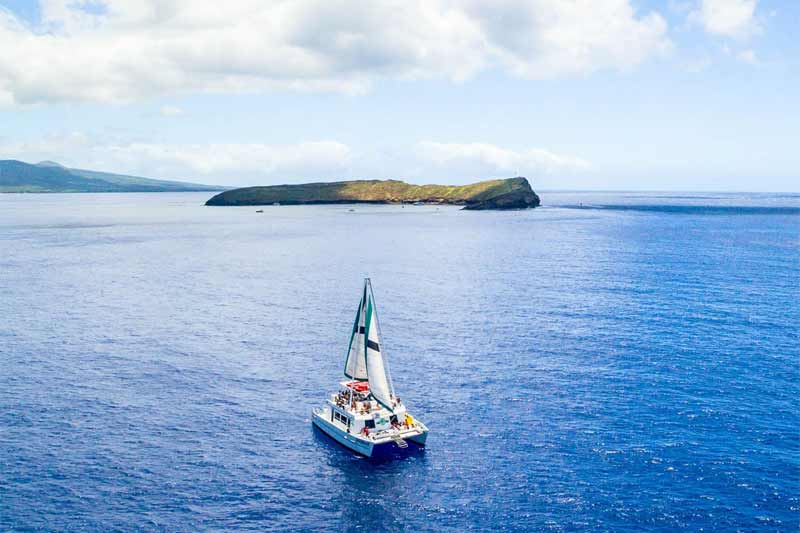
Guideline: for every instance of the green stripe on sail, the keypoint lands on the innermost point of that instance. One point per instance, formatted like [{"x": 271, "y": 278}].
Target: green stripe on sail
[
  {"x": 367, "y": 323},
  {"x": 391, "y": 409}
]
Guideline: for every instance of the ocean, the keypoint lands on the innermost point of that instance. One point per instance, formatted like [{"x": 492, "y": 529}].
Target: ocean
[{"x": 607, "y": 362}]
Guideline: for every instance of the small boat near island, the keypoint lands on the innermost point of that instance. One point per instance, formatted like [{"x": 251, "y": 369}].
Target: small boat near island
[{"x": 365, "y": 415}]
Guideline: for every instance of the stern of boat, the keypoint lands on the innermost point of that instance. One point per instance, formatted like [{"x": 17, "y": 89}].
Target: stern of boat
[{"x": 420, "y": 439}]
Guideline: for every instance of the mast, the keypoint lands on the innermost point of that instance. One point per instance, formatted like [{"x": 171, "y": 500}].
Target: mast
[{"x": 366, "y": 323}]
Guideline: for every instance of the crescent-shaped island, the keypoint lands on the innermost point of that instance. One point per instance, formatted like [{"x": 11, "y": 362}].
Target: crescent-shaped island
[{"x": 511, "y": 193}]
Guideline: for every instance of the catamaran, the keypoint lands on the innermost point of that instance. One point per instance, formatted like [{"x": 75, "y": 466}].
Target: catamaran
[{"x": 365, "y": 415}]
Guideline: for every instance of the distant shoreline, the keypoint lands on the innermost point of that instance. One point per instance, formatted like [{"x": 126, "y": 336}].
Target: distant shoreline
[{"x": 18, "y": 177}]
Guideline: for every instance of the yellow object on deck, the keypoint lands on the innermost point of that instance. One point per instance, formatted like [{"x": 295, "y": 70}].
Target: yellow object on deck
[{"x": 409, "y": 420}]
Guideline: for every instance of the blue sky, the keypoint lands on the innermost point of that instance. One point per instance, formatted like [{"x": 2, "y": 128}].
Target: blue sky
[{"x": 601, "y": 94}]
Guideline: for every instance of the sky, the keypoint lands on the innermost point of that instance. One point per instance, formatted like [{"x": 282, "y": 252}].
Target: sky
[{"x": 573, "y": 94}]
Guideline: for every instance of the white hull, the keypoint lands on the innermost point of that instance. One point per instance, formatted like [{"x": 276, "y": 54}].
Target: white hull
[{"x": 372, "y": 445}]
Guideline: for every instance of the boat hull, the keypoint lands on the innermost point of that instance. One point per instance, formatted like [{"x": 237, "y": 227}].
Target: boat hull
[
  {"x": 363, "y": 446},
  {"x": 342, "y": 437},
  {"x": 420, "y": 439}
]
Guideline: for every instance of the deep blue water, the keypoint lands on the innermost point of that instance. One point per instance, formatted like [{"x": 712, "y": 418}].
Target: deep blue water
[{"x": 606, "y": 362}]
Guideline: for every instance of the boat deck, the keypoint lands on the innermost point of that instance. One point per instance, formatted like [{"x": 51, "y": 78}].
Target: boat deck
[{"x": 376, "y": 437}]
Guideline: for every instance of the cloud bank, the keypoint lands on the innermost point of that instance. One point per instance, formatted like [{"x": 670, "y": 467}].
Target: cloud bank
[
  {"x": 731, "y": 18},
  {"x": 125, "y": 50},
  {"x": 223, "y": 163},
  {"x": 257, "y": 164},
  {"x": 488, "y": 160}
]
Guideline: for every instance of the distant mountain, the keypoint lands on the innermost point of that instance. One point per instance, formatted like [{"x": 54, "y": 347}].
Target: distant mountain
[
  {"x": 49, "y": 164},
  {"x": 512, "y": 193},
  {"x": 49, "y": 176}
]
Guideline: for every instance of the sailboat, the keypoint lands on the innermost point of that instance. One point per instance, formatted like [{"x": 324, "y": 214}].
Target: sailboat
[{"x": 365, "y": 415}]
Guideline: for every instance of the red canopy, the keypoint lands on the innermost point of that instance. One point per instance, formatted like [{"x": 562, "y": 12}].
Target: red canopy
[{"x": 359, "y": 386}]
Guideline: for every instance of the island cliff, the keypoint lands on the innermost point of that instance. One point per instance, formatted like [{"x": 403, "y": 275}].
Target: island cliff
[{"x": 512, "y": 193}]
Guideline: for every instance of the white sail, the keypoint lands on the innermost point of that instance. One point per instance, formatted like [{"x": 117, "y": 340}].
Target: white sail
[
  {"x": 355, "y": 366},
  {"x": 377, "y": 371}
]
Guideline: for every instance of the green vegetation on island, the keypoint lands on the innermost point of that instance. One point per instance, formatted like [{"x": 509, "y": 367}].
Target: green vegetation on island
[
  {"x": 47, "y": 176},
  {"x": 512, "y": 193}
]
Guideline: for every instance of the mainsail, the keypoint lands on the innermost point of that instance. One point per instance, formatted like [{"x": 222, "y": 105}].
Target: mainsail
[
  {"x": 365, "y": 361},
  {"x": 377, "y": 371}
]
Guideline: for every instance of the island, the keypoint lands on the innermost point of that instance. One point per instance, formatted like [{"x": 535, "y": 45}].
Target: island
[
  {"x": 48, "y": 176},
  {"x": 511, "y": 193}
]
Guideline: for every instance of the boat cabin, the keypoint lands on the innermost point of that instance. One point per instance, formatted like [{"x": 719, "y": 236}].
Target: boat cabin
[{"x": 355, "y": 408}]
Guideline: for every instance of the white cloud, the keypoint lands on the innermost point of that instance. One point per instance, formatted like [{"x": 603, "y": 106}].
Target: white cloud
[
  {"x": 544, "y": 39},
  {"x": 258, "y": 163},
  {"x": 171, "y": 111},
  {"x": 125, "y": 50},
  {"x": 309, "y": 160},
  {"x": 50, "y": 147},
  {"x": 731, "y": 18},
  {"x": 481, "y": 160},
  {"x": 223, "y": 163}
]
